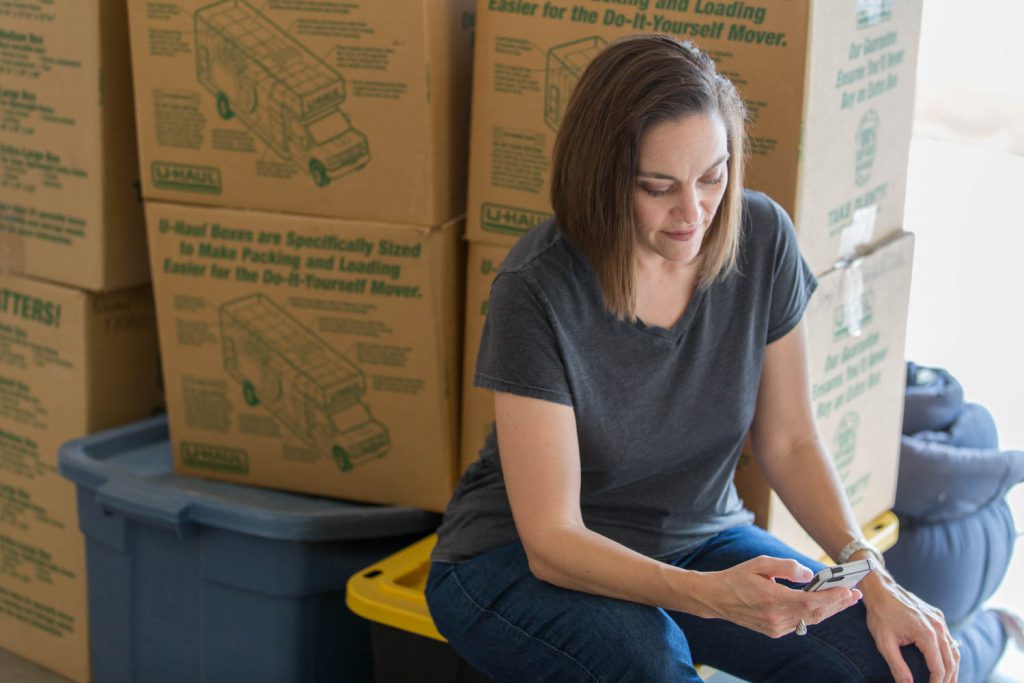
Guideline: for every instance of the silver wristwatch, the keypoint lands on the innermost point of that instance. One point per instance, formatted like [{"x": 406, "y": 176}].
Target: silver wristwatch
[{"x": 859, "y": 544}]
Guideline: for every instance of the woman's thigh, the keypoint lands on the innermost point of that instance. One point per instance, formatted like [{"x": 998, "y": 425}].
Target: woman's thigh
[
  {"x": 513, "y": 627},
  {"x": 838, "y": 649}
]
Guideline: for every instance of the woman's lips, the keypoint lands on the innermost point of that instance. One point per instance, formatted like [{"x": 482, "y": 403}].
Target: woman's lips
[{"x": 682, "y": 235}]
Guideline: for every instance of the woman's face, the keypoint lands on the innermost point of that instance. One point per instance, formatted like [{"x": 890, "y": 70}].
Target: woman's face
[{"x": 682, "y": 179}]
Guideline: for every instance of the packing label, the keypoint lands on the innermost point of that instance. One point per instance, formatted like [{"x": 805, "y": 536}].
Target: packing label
[
  {"x": 69, "y": 210},
  {"x": 19, "y": 511},
  {"x": 33, "y": 64},
  {"x": 28, "y": 53},
  {"x": 33, "y": 613}
]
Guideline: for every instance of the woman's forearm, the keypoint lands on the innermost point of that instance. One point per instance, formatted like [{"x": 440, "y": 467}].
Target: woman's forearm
[{"x": 576, "y": 558}]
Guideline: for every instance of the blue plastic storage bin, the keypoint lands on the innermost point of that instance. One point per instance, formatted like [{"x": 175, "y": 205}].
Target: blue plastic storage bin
[{"x": 200, "y": 581}]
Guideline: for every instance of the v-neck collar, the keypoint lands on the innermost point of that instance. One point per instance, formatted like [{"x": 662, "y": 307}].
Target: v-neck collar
[
  {"x": 678, "y": 330},
  {"x": 674, "y": 333}
]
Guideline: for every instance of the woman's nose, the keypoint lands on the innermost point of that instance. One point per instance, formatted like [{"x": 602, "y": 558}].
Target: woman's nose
[{"x": 687, "y": 208}]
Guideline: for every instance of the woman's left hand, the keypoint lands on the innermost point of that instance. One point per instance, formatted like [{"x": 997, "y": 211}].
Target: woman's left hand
[{"x": 897, "y": 617}]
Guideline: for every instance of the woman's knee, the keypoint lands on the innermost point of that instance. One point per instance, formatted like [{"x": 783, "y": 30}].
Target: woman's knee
[{"x": 844, "y": 647}]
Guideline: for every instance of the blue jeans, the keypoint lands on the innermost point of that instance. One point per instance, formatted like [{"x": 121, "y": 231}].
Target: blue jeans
[{"x": 513, "y": 627}]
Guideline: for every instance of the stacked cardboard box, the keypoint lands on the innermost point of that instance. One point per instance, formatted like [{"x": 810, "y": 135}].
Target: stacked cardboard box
[
  {"x": 304, "y": 164},
  {"x": 77, "y": 329},
  {"x": 73, "y": 362},
  {"x": 856, "y": 328},
  {"x": 310, "y": 354},
  {"x": 829, "y": 86},
  {"x": 350, "y": 110},
  {"x": 69, "y": 204}
]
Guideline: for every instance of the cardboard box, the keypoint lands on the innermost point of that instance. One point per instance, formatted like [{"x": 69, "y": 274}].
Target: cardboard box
[
  {"x": 310, "y": 354},
  {"x": 70, "y": 363},
  {"x": 356, "y": 110},
  {"x": 477, "y": 404},
  {"x": 856, "y": 323},
  {"x": 69, "y": 200},
  {"x": 829, "y": 86}
]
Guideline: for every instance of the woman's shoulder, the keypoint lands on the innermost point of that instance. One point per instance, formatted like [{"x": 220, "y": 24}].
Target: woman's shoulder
[
  {"x": 762, "y": 212},
  {"x": 538, "y": 246},
  {"x": 547, "y": 266},
  {"x": 766, "y": 225},
  {"x": 548, "y": 261}
]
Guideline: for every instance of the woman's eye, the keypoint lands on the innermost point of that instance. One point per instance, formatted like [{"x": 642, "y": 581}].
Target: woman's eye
[
  {"x": 713, "y": 180},
  {"x": 656, "y": 191}
]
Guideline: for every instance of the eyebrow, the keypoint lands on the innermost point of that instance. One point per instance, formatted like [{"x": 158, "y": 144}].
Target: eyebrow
[{"x": 665, "y": 176}]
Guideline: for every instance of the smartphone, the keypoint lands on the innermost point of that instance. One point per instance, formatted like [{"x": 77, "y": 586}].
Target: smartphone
[{"x": 841, "y": 576}]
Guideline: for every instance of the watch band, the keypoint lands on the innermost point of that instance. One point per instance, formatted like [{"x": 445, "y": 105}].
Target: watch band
[{"x": 859, "y": 544}]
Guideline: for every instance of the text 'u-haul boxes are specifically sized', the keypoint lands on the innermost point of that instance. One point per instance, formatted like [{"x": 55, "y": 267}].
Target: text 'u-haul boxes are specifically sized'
[
  {"x": 482, "y": 262},
  {"x": 69, "y": 201},
  {"x": 308, "y": 354},
  {"x": 343, "y": 109},
  {"x": 856, "y": 326},
  {"x": 829, "y": 85},
  {"x": 72, "y": 363}
]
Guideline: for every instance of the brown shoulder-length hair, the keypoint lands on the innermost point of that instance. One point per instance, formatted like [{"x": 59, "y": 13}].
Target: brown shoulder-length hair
[{"x": 631, "y": 85}]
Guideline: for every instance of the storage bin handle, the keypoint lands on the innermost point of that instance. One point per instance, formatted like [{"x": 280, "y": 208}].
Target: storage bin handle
[{"x": 156, "y": 507}]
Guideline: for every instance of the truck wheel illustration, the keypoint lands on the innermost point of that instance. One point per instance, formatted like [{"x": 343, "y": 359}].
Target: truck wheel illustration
[
  {"x": 341, "y": 458},
  {"x": 319, "y": 172},
  {"x": 249, "y": 392},
  {"x": 224, "y": 107}
]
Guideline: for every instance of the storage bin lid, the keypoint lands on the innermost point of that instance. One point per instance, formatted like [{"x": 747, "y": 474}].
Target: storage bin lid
[{"x": 129, "y": 471}]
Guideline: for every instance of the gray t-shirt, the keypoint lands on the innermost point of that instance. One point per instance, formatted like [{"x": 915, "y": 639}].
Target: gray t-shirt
[{"x": 661, "y": 414}]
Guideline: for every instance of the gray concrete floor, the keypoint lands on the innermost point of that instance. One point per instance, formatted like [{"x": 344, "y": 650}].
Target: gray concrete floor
[{"x": 14, "y": 669}]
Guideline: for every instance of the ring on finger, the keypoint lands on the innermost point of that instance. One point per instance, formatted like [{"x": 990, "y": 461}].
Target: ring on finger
[
  {"x": 955, "y": 644},
  {"x": 801, "y": 628}
]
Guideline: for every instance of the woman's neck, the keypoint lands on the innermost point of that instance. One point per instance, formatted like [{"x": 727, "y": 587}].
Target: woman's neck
[{"x": 664, "y": 290}]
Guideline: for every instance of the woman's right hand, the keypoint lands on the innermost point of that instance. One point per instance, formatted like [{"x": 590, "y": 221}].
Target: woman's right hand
[{"x": 747, "y": 594}]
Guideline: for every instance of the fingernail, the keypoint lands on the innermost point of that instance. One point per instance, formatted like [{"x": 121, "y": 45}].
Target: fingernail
[{"x": 857, "y": 595}]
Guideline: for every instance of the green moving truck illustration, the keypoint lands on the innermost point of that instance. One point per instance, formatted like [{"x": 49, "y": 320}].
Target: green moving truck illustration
[
  {"x": 566, "y": 63},
  {"x": 281, "y": 91},
  {"x": 314, "y": 390}
]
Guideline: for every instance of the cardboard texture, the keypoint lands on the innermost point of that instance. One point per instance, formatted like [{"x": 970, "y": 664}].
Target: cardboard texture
[
  {"x": 69, "y": 201},
  {"x": 309, "y": 354},
  {"x": 72, "y": 363},
  {"x": 856, "y": 324},
  {"x": 829, "y": 86},
  {"x": 356, "y": 110},
  {"x": 482, "y": 264}
]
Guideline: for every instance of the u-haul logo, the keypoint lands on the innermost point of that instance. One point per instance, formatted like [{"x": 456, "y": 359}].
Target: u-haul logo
[
  {"x": 510, "y": 219},
  {"x": 186, "y": 177},
  {"x": 207, "y": 456}
]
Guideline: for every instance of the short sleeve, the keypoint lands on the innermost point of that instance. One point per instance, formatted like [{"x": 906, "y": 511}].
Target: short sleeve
[
  {"x": 792, "y": 280},
  {"x": 519, "y": 350}
]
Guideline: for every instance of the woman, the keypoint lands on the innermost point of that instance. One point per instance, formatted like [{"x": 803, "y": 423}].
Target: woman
[{"x": 632, "y": 344}]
